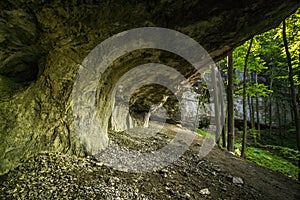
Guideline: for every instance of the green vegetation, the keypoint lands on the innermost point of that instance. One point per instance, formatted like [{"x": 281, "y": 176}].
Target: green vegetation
[
  {"x": 205, "y": 134},
  {"x": 269, "y": 160},
  {"x": 286, "y": 152},
  {"x": 277, "y": 158},
  {"x": 266, "y": 77}
]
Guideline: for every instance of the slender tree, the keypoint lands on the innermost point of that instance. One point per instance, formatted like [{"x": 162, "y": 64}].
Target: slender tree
[
  {"x": 270, "y": 109},
  {"x": 244, "y": 101},
  {"x": 250, "y": 101},
  {"x": 230, "y": 112},
  {"x": 257, "y": 109},
  {"x": 251, "y": 110},
  {"x": 292, "y": 88},
  {"x": 279, "y": 121},
  {"x": 223, "y": 114}
]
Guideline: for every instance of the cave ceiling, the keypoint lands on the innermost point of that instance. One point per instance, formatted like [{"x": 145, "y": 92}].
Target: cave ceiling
[{"x": 43, "y": 44}]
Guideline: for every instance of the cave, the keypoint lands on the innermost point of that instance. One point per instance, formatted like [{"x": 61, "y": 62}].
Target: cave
[{"x": 43, "y": 45}]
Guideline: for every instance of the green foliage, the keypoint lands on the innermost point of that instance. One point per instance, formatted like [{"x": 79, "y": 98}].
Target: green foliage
[
  {"x": 205, "y": 134},
  {"x": 267, "y": 58},
  {"x": 255, "y": 61},
  {"x": 252, "y": 90},
  {"x": 289, "y": 153},
  {"x": 258, "y": 88},
  {"x": 267, "y": 72},
  {"x": 256, "y": 64},
  {"x": 293, "y": 30},
  {"x": 254, "y": 133},
  {"x": 269, "y": 160}
]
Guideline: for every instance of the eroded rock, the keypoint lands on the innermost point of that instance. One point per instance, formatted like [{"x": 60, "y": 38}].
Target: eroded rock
[{"x": 43, "y": 44}]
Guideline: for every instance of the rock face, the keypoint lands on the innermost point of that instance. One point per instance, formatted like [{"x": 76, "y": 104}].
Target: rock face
[{"x": 43, "y": 43}]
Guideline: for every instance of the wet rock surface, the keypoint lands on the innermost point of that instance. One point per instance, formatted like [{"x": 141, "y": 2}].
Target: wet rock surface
[{"x": 58, "y": 176}]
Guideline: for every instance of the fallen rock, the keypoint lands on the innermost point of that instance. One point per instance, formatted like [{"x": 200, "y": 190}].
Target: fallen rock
[
  {"x": 205, "y": 191},
  {"x": 238, "y": 181},
  {"x": 187, "y": 195}
]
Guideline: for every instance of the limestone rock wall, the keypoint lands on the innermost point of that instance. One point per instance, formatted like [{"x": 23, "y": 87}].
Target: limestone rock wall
[{"x": 43, "y": 43}]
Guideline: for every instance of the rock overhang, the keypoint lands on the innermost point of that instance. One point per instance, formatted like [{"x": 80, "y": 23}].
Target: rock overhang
[{"x": 44, "y": 43}]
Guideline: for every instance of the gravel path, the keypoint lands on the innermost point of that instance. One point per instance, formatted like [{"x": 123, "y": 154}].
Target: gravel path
[{"x": 57, "y": 176}]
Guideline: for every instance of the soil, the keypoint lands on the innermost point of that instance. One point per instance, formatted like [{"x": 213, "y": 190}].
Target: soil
[{"x": 219, "y": 175}]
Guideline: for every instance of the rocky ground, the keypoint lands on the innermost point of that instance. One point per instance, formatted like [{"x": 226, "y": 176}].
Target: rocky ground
[{"x": 219, "y": 175}]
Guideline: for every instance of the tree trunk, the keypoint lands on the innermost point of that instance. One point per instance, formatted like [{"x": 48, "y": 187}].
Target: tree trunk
[
  {"x": 223, "y": 114},
  {"x": 224, "y": 131},
  {"x": 292, "y": 112},
  {"x": 230, "y": 118},
  {"x": 251, "y": 111},
  {"x": 224, "y": 137},
  {"x": 293, "y": 92},
  {"x": 279, "y": 121},
  {"x": 257, "y": 110},
  {"x": 257, "y": 116},
  {"x": 265, "y": 110},
  {"x": 270, "y": 108},
  {"x": 217, "y": 102},
  {"x": 153, "y": 109},
  {"x": 244, "y": 102},
  {"x": 298, "y": 97},
  {"x": 284, "y": 121}
]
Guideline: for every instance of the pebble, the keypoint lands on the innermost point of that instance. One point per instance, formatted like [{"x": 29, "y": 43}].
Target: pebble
[
  {"x": 205, "y": 191},
  {"x": 187, "y": 195},
  {"x": 58, "y": 176},
  {"x": 237, "y": 181}
]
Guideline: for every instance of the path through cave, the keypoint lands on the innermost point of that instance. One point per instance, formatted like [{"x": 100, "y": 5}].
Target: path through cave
[{"x": 43, "y": 45}]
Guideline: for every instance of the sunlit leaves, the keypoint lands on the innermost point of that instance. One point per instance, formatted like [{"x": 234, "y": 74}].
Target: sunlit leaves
[
  {"x": 252, "y": 90},
  {"x": 267, "y": 60}
]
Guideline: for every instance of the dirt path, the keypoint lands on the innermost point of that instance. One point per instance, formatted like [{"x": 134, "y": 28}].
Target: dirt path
[{"x": 272, "y": 184}]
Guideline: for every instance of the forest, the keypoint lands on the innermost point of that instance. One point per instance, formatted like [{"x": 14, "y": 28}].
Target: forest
[{"x": 262, "y": 80}]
